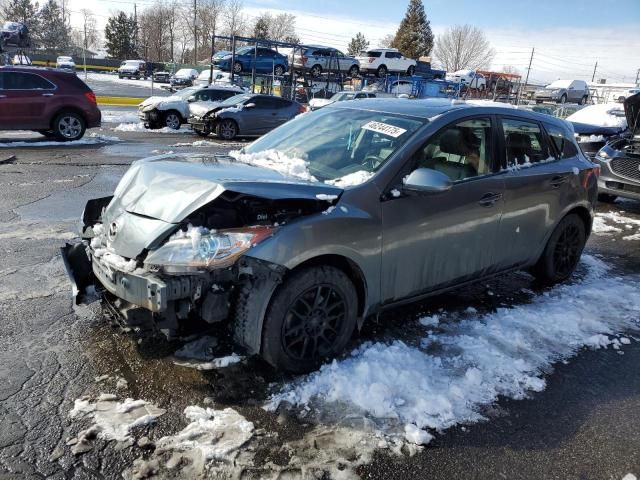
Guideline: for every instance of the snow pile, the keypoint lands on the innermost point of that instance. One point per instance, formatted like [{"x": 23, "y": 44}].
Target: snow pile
[
  {"x": 628, "y": 225},
  {"x": 236, "y": 109},
  {"x": 466, "y": 364},
  {"x": 118, "y": 116},
  {"x": 200, "y": 354},
  {"x": 275, "y": 160},
  {"x": 352, "y": 179},
  {"x": 197, "y": 143},
  {"x": 113, "y": 420},
  {"x": 106, "y": 254},
  {"x": 603, "y": 115},
  {"x": 490, "y": 103},
  {"x": 139, "y": 127},
  {"x": 591, "y": 138},
  {"x": 91, "y": 139}
]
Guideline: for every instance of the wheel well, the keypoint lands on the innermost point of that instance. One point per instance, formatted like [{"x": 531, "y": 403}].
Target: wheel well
[
  {"x": 348, "y": 267},
  {"x": 172, "y": 110},
  {"x": 585, "y": 216},
  {"x": 67, "y": 109}
]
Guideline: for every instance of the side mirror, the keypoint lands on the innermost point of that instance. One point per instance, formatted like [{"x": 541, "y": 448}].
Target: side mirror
[
  {"x": 426, "y": 180},
  {"x": 191, "y": 99},
  {"x": 250, "y": 105}
]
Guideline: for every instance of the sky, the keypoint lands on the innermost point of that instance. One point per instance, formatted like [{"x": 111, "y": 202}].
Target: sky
[{"x": 569, "y": 36}]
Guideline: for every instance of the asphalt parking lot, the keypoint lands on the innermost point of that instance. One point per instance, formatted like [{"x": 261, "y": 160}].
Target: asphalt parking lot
[{"x": 584, "y": 423}]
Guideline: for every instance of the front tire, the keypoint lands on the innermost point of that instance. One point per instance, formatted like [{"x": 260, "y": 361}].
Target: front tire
[
  {"x": 583, "y": 100},
  {"x": 237, "y": 67},
  {"x": 316, "y": 71},
  {"x": 563, "y": 98},
  {"x": 278, "y": 70},
  {"x": 411, "y": 70},
  {"x": 172, "y": 119},
  {"x": 311, "y": 318},
  {"x": 69, "y": 126},
  {"x": 227, "y": 129},
  {"x": 563, "y": 251},
  {"x": 354, "y": 71},
  {"x": 382, "y": 71}
]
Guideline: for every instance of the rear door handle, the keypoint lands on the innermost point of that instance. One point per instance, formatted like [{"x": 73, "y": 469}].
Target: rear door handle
[
  {"x": 3, "y": 96},
  {"x": 47, "y": 94},
  {"x": 489, "y": 199},
  {"x": 558, "y": 180}
]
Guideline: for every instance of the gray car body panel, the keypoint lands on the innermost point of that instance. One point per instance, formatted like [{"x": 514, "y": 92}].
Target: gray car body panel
[{"x": 404, "y": 245}]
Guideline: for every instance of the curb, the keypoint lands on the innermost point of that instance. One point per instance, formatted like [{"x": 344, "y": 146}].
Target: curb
[{"x": 119, "y": 101}]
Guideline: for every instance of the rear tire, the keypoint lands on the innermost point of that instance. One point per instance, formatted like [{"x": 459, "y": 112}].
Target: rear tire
[
  {"x": 237, "y": 67},
  {"x": 354, "y": 71},
  {"x": 411, "y": 70},
  {"x": 606, "y": 198},
  {"x": 68, "y": 126},
  {"x": 316, "y": 71},
  {"x": 563, "y": 98},
  {"x": 278, "y": 70},
  {"x": 382, "y": 71},
  {"x": 583, "y": 100},
  {"x": 563, "y": 251},
  {"x": 227, "y": 129},
  {"x": 310, "y": 318}
]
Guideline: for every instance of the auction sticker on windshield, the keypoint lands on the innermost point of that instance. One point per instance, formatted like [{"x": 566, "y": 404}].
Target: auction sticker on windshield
[{"x": 384, "y": 128}]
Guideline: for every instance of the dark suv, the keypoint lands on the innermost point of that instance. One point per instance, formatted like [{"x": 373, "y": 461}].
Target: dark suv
[{"x": 52, "y": 102}]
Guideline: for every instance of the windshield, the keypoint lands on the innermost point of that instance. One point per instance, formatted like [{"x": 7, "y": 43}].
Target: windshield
[
  {"x": 183, "y": 72},
  {"x": 186, "y": 92},
  {"x": 130, "y": 63},
  {"x": 342, "y": 142},
  {"x": 64, "y": 59},
  {"x": 559, "y": 84},
  {"x": 244, "y": 50}
]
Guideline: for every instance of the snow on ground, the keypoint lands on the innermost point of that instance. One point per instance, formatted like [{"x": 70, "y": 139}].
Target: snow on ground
[
  {"x": 604, "y": 115},
  {"x": 91, "y": 139},
  {"x": 465, "y": 363},
  {"x": 112, "y": 419},
  {"x": 613, "y": 222},
  {"x": 119, "y": 116},
  {"x": 139, "y": 127},
  {"x": 105, "y": 77}
]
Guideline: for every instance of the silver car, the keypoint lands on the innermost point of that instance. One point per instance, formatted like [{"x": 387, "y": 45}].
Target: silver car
[
  {"x": 563, "y": 91},
  {"x": 317, "y": 60},
  {"x": 337, "y": 215}
]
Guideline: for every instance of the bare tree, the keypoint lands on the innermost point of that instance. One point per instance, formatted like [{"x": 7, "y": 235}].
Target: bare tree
[
  {"x": 87, "y": 36},
  {"x": 210, "y": 20},
  {"x": 387, "y": 40},
  {"x": 282, "y": 26},
  {"x": 463, "y": 46},
  {"x": 510, "y": 69},
  {"x": 172, "y": 14},
  {"x": 235, "y": 19}
]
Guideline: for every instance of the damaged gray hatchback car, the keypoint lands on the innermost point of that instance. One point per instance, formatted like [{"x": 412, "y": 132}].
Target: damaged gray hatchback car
[{"x": 335, "y": 216}]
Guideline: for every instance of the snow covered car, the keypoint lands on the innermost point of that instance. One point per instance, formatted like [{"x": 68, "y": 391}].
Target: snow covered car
[
  {"x": 596, "y": 125},
  {"x": 317, "y": 103},
  {"x": 161, "y": 76},
  {"x": 562, "y": 91},
  {"x": 333, "y": 217},
  {"x": 66, "y": 63},
  {"x": 244, "y": 115},
  {"x": 173, "y": 111},
  {"x": 620, "y": 159},
  {"x": 184, "y": 77},
  {"x": 133, "y": 69},
  {"x": 14, "y": 34},
  {"x": 468, "y": 78},
  {"x": 381, "y": 61}
]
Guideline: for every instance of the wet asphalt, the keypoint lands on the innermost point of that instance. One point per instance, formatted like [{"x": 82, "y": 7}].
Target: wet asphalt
[{"x": 584, "y": 425}]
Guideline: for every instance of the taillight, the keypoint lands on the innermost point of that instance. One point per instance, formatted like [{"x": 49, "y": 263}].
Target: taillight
[
  {"x": 304, "y": 60},
  {"x": 91, "y": 97},
  {"x": 302, "y": 109},
  {"x": 372, "y": 59}
]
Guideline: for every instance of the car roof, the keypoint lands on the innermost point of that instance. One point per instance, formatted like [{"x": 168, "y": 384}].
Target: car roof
[
  {"x": 34, "y": 69},
  {"x": 430, "y": 107}
]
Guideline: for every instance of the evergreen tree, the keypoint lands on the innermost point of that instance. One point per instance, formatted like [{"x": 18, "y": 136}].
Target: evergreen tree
[
  {"x": 261, "y": 28},
  {"x": 120, "y": 35},
  {"x": 357, "y": 44},
  {"x": 53, "y": 34},
  {"x": 414, "y": 37}
]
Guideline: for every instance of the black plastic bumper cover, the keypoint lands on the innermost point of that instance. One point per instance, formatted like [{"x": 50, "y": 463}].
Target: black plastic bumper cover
[{"x": 78, "y": 266}]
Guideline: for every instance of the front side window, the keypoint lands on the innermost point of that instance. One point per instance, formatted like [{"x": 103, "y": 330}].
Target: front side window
[
  {"x": 524, "y": 142},
  {"x": 460, "y": 151}
]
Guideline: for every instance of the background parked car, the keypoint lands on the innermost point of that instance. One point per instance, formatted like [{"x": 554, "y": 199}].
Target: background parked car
[
  {"x": 267, "y": 61},
  {"x": 133, "y": 69},
  {"x": 184, "y": 77},
  {"x": 628, "y": 93},
  {"x": 384, "y": 60},
  {"x": 563, "y": 91},
  {"x": 219, "y": 77},
  {"x": 161, "y": 76},
  {"x": 66, "y": 63},
  {"x": 468, "y": 78},
  {"x": 246, "y": 114},
  {"x": 173, "y": 111},
  {"x": 318, "y": 59},
  {"x": 52, "y": 102},
  {"x": 317, "y": 103}
]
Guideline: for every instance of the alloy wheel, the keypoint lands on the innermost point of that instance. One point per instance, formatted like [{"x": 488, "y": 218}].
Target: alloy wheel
[
  {"x": 69, "y": 127},
  {"x": 313, "y": 323},
  {"x": 227, "y": 129},
  {"x": 567, "y": 251},
  {"x": 172, "y": 121}
]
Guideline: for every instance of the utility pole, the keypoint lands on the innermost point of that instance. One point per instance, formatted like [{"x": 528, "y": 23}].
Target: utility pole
[
  {"x": 195, "y": 32},
  {"x": 637, "y": 76},
  {"x": 135, "y": 23},
  {"x": 593, "y": 77},
  {"x": 526, "y": 80},
  {"x": 84, "y": 50}
]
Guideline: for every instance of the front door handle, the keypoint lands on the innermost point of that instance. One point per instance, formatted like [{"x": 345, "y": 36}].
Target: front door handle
[
  {"x": 489, "y": 199},
  {"x": 3, "y": 96},
  {"x": 47, "y": 94},
  {"x": 558, "y": 180}
]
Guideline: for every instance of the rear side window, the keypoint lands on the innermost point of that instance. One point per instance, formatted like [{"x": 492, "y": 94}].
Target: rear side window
[
  {"x": 564, "y": 147},
  {"x": 73, "y": 80},
  {"x": 394, "y": 55},
  {"x": 216, "y": 95},
  {"x": 374, "y": 54},
  {"x": 524, "y": 142},
  {"x": 25, "y": 81}
]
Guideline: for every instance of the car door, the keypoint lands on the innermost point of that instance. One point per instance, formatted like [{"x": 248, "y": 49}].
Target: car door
[
  {"x": 25, "y": 100},
  {"x": 258, "y": 119},
  {"x": 432, "y": 241},
  {"x": 535, "y": 189}
]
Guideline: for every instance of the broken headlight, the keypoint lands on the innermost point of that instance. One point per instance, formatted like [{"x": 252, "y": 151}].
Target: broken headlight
[{"x": 199, "y": 249}]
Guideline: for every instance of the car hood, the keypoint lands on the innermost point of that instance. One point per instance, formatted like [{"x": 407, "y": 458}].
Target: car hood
[
  {"x": 587, "y": 129},
  {"x": 158, "y": 193},
  {"x": 156, "y": 101},
  {"x": 320, "y": 102},
  {"x": 632, "y": 112},
  {"x": 199, "y": 109},
  {"x": 128, "y": 69}
]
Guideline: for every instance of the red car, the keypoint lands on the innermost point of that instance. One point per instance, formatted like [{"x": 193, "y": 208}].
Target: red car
[{"x": 52, "y": 102}]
